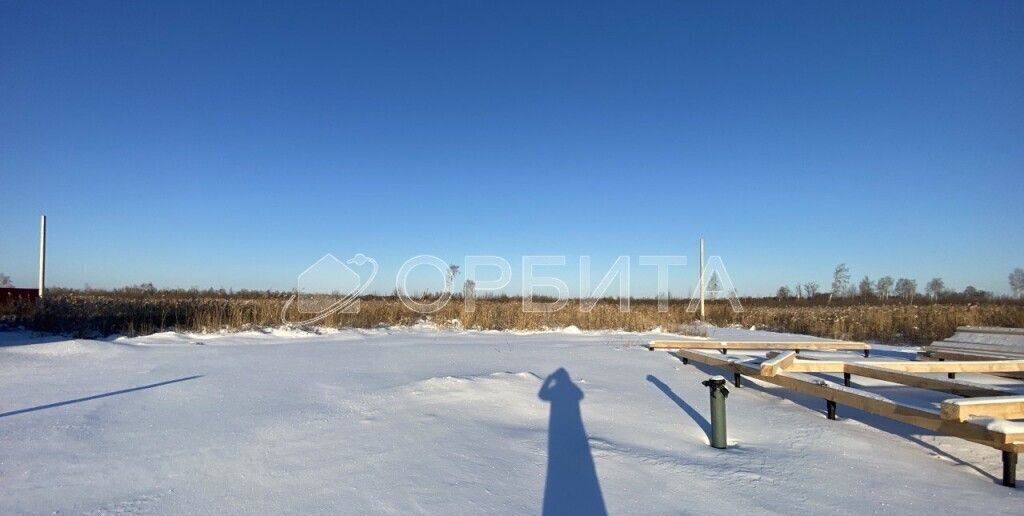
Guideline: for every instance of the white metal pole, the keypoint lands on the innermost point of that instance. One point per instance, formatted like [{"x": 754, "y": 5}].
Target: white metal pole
[
  {"x": 42, "y": 256},
  {"x": 702, "y": 279}
]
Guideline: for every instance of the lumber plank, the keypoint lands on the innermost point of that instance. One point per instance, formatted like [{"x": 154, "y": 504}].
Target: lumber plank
[
  {"x": 721, "y": 361},
  {"x": 778, "y": 363},
  {"x": 758, "y": 345},
  {"x": 950, "y": 366},
  {"x": 817, "y": 366},
  {"x": 892, "y": 373},
  {"x": 957, "y": 387},
  {"x": 1002, "y": 407},
  {"x": 952, "y": 355}
]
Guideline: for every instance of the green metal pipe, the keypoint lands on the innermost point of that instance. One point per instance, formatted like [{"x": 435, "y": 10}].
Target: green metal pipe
[{"x": 716, "y": 386}]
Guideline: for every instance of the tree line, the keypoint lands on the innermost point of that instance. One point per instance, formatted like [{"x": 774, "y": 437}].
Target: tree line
[{"x": 886, "y": 288}]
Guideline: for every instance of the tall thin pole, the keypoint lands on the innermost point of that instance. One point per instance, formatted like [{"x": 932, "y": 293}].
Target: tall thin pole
[
  {"x": 42, "y": 256},
  {"x": 702, "y": 279}
]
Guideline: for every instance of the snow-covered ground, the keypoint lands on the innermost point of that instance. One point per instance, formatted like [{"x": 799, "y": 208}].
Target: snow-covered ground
[{"x": 423, "y": 421}]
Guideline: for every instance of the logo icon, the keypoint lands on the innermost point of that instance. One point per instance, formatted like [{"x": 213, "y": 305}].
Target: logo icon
[{"x": 327, "y": 287}]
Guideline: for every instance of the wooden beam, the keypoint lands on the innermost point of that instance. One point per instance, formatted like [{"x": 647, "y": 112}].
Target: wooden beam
[
  {"x": 974, "y": 430},
  {"x": 817, "y": 366},
  {"x": 957, "y": 387},
  {"x": 1002, "y": 407},
  {"x": 778, "y": 363},
  {"x": 721, "y": 361},
  {"x": 758, "y": 345},
  {"x": 805, "y": 365},
  {"x": 870, "y": 369},
  {"x": 952, "y": 355},
  {"x": 949, "y": 366}
]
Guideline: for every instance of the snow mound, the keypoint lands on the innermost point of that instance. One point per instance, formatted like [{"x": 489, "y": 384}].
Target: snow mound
[
  {"x": 495, "y": 398},
  {"x": 475, "y": 384},
  {"x": 167, "y": 338},
  {"x": 67, "y": 348},
  {"x": 276, "y": 335}
]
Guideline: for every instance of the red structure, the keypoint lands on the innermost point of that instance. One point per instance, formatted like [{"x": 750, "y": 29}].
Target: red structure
[{"x": 13, "y": 295}]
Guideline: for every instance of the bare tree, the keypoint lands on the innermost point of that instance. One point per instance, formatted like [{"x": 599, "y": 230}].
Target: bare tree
[
  {"x": 469, "y": 289},
  {"x": 840, "y": 279},
  {"x": 783, "y": 293},
  {"x": 884, "y": 287},
  {"x": 453, "y": 271},
  {"x": 810, "y": 289},
  {"x": 1017, "y": 282},
  {"x": 935, "y": 288},
  {"x": 906, "y": 288},
  {"x": 866, "y": 288},
  {"x": 5, "y": 281},
  {"x": 714, "y": 285}
]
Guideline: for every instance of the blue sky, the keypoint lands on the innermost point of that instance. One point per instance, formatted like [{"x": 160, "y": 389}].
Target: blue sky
[{"x": 233, "y": 145}]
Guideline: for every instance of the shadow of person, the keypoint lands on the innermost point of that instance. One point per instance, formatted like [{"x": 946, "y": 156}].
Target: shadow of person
[{"x": 571, "y": 486}]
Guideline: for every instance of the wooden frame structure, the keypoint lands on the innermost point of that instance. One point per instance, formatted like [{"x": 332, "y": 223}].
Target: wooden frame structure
[
  {"x": 985, "y": 417},
  {"x": 723, "y": 346}
]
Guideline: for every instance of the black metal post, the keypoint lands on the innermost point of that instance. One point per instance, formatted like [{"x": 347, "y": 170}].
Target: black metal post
[
  {"x": 951, "y": 376},
  {"x": 867, "y": 353},
  {"x": 830, "y": 407},
  {"x": 1010, "y": 469},
  {"x": 846, "y": 379},
  {"x": 736, "y": 377}
]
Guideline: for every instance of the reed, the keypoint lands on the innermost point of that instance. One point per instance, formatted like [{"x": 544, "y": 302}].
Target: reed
[{"x": 91, "y": 314}]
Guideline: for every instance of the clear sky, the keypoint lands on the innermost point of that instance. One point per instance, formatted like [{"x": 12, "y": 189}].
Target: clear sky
[{"x": 214, "y": 144}]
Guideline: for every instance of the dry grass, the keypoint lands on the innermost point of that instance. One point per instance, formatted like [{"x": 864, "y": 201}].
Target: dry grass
[
  {"x": 98, "y": 314},
  {"x": 914, "y": 324}
]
